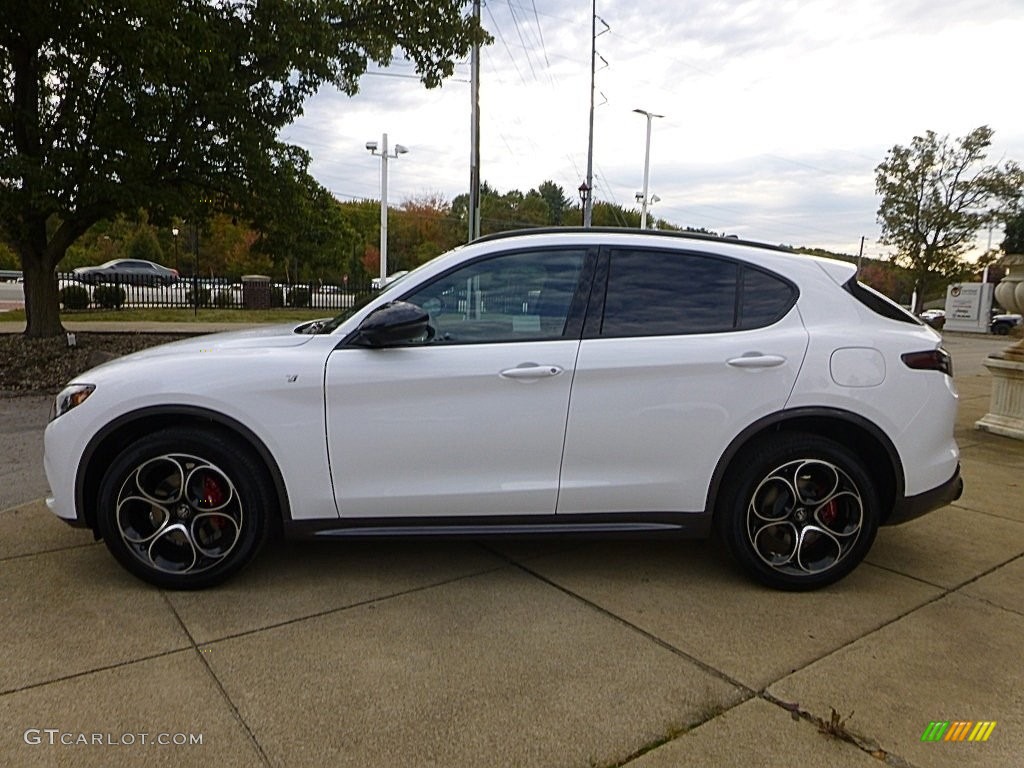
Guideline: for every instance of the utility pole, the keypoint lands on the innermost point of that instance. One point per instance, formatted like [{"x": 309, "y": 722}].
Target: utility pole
[
  {"x": 588, "y": 204},
  {"x": 474, "y": 135}
]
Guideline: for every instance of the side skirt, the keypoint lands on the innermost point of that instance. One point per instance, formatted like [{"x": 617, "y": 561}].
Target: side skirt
[{"x": 691, "y": 525}]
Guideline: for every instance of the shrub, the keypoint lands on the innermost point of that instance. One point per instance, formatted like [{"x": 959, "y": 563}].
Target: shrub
[
  {"x": 74, "y": 297},
  {"x": 224, "y": 299},
  {"x": 204, "y": 297},
  {"x": 299, "y": 297},
  {"x": 109, "y": 296}
]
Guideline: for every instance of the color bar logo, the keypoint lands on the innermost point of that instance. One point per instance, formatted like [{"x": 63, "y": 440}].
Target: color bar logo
[{"x": 959, "y": 730}]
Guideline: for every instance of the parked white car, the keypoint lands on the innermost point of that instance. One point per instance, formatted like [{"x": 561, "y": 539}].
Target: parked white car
[{"x": 561, "y": 381}]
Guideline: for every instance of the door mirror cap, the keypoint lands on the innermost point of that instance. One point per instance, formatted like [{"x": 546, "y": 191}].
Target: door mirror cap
[{"x": 396, "y": 322}]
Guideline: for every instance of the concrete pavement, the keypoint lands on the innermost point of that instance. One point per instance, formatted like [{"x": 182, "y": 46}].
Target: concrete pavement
[{"x": 529, "y": 654}]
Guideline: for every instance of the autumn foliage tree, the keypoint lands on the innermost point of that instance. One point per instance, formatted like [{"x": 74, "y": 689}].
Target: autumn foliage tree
[
  {"x": 174, "y": 107},
  {"x": 936, "y": 193}
]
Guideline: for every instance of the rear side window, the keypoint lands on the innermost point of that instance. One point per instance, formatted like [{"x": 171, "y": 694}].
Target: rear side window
[
  {"x": 765, "y": 298},
  {"x": 662, "y": 293},
  {"x": 878, "y": 303}
]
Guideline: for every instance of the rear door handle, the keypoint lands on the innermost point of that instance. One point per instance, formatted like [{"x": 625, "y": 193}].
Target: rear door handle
[
  {"x": 531, "y": 371},
  {"x": 756, "y": 360}
]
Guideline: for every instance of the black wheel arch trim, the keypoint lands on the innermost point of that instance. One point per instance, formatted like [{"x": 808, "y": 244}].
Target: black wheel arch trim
[
  {"x": 159, "y": 411},
  {"x": 780, "y": 418}
]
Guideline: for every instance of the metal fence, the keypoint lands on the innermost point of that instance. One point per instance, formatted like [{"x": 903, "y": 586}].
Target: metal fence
[{"x": 188, "y": 293}]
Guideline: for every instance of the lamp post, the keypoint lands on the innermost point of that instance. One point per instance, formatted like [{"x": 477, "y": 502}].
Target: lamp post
[
  {"x": 647, "y": 165},
  {"x": 372, "y": 147},
  {"x": 174, "y": 235},
  {"x": 584, "y": 191}
]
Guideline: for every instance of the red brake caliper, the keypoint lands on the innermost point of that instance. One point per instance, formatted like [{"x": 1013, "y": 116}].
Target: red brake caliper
[
  {"x": 829, "y": 513},
  {"x": 213, "y": 494}
]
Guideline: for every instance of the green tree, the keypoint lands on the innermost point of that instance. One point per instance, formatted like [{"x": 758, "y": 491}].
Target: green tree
[
  {"x": 1013, "y": 242},
  {"x": 175, "y": 107},
  {"x": 558, "y": 204},
  {"x": 935, "y": 196},
  {"x": 303, "y": 230},
  {"x": 144, "y": 245}
]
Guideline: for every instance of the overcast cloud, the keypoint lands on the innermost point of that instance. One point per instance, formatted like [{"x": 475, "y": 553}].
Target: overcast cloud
[{"x": 776, "y": 113}]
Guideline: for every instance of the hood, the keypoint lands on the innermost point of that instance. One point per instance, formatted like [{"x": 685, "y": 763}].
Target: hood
[{"x": 261, "y": 337}]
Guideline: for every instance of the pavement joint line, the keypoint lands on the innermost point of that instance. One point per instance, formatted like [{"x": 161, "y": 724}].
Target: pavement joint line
[
  {"x": 94, "y": 670},
  {"x": 703, "y": 665},
  {"x": 945, "y": 592},
  {"x": 264, "y": 758},
  {"x": 955, "y": 587},
  {"x": 69, "y": 547},
  {"x": 674, "y": 734},
  {"x": 350, "y": 606},
  {"x": 897, "y": 761},
  {"x": 960, "y": 505},
  {"x": 997, "y": 606},
  {"x": 865, "y": 744},
  {"x": 150, "y": 657}
]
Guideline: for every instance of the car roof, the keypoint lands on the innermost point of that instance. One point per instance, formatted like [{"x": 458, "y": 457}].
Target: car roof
[
  {"x": 660, "y": 233},
  {"x": 763, "y": 254}
]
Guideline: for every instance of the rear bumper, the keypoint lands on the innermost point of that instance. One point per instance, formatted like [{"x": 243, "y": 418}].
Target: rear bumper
[{"x": 914, "y": 506}]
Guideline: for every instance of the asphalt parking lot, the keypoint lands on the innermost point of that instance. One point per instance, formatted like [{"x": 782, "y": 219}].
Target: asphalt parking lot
[{"x": 519, "y": 654}]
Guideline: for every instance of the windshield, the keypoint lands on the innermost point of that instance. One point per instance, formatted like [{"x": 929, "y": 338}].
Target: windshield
[{"x": 330, "y": 325}]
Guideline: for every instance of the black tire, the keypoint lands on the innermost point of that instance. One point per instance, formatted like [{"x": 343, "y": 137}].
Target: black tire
[
  {"x": 185, "y": 508},
  {"x": 1001, "y": 329},
  {"x": 798, "y": 511}
]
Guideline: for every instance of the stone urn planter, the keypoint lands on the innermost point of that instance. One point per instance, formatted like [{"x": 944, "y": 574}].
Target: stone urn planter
[{"x": 1006, "y": 407}]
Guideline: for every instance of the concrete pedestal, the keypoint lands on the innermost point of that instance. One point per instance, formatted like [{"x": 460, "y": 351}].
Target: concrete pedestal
[{"x": 1006, "y": 408}]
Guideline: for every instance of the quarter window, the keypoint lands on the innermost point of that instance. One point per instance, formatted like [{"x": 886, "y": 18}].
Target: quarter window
[
  {"x": 765, "y": 298},
  {"x": 522, "y": 296}
]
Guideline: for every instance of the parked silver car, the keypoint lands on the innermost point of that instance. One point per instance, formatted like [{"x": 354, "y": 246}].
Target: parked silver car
[{"x": 127, "y": 272}]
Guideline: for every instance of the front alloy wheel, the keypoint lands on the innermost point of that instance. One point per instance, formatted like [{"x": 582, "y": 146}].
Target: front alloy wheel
[
  {"x": 800, "y": 512},
  {"x": 184, "y": 509}
]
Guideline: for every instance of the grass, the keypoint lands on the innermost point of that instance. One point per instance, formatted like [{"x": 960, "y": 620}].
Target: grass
[{"x": 172, "y": 315}]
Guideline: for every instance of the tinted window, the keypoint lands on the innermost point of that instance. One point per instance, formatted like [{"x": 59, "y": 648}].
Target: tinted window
[
  {"x": 513, "y": 297},
  {"x": 653, "y": 293},
  {"x": 765, "y": 298},
  {"x": 878, "y": 303}
]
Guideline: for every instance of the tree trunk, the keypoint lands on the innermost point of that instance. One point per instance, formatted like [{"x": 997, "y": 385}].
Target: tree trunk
[{"x": 42, "y": 299}]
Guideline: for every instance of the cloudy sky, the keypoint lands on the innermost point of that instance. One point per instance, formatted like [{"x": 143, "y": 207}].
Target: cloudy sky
[{"x": 776, "y": 111}]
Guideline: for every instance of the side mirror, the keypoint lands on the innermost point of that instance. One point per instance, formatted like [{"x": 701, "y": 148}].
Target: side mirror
[{"x": 396, "y": 322}]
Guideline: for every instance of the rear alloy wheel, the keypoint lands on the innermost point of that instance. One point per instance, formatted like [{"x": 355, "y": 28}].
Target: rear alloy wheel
[
  {"x": 184, "y": 509},
  {"x": 800, "y": 512}
]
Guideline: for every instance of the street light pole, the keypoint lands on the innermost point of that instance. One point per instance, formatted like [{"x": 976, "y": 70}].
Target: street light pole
[
  {"x": 584, "y": 190},
  {"x": 647, "y": 165},
  {"x": 384, "y": 156},
  {"x": 177, "y": 264}
]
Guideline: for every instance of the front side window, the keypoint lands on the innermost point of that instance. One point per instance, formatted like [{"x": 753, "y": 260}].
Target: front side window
[{"x": 523, "y": 296}]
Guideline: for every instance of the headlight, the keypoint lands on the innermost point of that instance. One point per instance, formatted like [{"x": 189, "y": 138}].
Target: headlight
[{"x": 71, "y": 397}]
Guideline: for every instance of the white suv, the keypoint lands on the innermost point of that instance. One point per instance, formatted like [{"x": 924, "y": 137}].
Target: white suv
[{"x": 557, "y": 381}]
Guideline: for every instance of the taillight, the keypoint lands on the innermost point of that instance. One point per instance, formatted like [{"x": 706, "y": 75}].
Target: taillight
[{"x": 929, "y": 360}]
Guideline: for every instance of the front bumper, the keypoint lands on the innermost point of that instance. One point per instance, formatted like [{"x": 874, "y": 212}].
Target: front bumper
[{"x": 910, "y": 507}]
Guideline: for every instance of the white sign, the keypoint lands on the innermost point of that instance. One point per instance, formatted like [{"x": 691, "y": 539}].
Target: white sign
[{"x": 969, "y": 307}]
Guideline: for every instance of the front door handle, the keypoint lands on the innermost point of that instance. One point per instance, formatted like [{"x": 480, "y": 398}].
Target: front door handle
[
  {"x": 756, "y": 360},
  {"x": 531, "y": 371}
]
